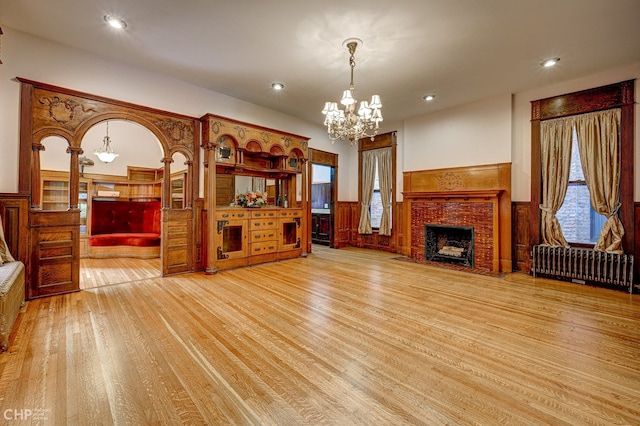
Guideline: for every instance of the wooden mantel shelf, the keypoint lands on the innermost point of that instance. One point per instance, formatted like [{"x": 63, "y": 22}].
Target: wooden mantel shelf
[{"x": 446, "y": 195}]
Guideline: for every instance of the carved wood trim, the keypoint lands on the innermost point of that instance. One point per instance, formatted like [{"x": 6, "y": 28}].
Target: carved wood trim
[{"x": 48, "y": 110}]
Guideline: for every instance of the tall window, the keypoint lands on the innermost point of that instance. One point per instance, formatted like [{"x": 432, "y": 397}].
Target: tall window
[
  {"x": 376, "y": 202},
  {"x": 609, "y": 167},
  {"x": 579, "y": 222},
  {"x": 377, "y": 175}
]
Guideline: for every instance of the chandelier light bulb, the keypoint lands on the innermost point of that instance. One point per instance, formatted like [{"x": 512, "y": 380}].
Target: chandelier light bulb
[{"x": 348, "y": 123}]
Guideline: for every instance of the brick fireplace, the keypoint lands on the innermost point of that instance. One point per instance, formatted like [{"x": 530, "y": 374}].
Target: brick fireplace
[{"x": 477, "y": 197}]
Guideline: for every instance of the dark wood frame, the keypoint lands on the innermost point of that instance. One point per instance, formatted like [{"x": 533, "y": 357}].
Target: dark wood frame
[
  {"x": 384, "y": 140},
  {"x": 326, "y": 159},
  {"x": 618, "y": 95}
]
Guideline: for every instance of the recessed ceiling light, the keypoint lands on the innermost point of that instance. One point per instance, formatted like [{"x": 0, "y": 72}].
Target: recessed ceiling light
[
  {"x": 549, "y": 62},
  {"x": 115, "y": 22},
  {"x": 277, "y": 86},
  {"x": 429, "y": 97}
]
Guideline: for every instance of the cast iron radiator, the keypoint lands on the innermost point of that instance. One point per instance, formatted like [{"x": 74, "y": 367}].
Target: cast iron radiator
[{"x": 583, "y": 264}]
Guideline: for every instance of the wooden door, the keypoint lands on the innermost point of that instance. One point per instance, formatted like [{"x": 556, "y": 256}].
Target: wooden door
[{"x": 177, "y": 241}]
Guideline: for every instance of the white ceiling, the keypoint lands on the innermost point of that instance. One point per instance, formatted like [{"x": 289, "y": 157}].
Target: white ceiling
[{"x": 462, "y": 50}]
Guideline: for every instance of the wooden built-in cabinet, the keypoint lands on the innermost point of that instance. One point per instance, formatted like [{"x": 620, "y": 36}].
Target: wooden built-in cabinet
[
  {"x": 252, "y": 236},
  {"x": 244, "y": 157},
  {"x": 321, "y": 228}
]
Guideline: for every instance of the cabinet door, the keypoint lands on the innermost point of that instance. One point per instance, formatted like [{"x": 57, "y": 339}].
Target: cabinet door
[
  {"x": 289, "y": 234},
  {"x": 232, "y": 239},
  {"x": 324, "y": 227}
]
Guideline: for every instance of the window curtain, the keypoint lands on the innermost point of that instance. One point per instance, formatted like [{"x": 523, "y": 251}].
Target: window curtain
[
  {"x": 555, "y": 158},
  {"x": 599, "y": 147},
  {"x": 385, "y": 176},
  {"x": 368, "y": 177},
  {"x": 258, "y": 184}
]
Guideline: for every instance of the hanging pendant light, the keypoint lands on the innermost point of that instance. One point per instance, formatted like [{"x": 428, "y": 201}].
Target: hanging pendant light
[{"x": 106, "y": 154}]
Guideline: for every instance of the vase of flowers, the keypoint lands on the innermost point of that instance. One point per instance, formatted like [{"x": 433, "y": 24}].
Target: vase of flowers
[{"x": 250, "y": 199}]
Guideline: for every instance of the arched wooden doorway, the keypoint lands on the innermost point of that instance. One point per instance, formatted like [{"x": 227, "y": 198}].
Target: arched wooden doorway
[{"x": 53, "y": 265}]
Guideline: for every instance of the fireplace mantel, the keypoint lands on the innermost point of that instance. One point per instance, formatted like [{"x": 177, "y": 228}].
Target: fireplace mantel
[{"x": 477, "y": 195}]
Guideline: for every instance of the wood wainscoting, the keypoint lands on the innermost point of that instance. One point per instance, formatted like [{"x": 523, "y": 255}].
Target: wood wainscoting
[
  {"x": 520, "y": 215},
  {"x": 347, "y": 220},
  {"x": 14, "y": 210}
]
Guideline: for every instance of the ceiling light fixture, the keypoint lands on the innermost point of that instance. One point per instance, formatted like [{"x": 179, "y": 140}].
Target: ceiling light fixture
[
  {"x": 277, "y": 86},
  {"x": 106, "y": 154},
  {"x": 349, "y": 124},
  {"x": 115, "y": 22},
  {"x": 429, "y": 97},
  {"x": 549, "y": 62}
]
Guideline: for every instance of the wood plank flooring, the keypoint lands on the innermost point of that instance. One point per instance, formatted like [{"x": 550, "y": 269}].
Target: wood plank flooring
[
  {"x": 110, "y": 271},
  {"x": 343, "y": 337}
]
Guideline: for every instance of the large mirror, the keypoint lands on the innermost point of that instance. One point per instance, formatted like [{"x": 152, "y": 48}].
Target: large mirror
[{"x": 228, "y": 186}]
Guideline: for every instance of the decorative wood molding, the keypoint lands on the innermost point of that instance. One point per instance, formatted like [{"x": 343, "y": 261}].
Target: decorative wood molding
[
  {"x": 251, "y": 137},
  {"x": 48, "y": 110},
  {"x": 596, "y": 99}
]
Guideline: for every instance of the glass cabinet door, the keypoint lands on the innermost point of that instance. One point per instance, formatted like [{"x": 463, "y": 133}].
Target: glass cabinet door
[{"x": 232, "y": 239}]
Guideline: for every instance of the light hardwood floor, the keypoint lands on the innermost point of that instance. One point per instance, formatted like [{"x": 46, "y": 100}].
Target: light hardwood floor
[
  {"x": 110, "y": 271},
  {"x": 343, "y": 337}
]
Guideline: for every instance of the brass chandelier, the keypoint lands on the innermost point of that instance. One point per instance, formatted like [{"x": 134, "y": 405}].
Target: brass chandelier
[{"x": 349, "y": 124}]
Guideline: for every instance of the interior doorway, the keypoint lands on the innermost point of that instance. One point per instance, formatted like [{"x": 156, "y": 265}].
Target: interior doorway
[
  {"x": 322, "y": 204},
  {"x": 323, "y": 181},
  {"x": 129, "y": 183}
]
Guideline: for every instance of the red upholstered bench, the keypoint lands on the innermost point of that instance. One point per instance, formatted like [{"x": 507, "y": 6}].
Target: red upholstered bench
[{"x": 125, "y": 229}]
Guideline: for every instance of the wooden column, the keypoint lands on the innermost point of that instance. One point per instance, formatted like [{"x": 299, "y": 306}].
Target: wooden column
[
  {"x": 36, "y": 192},
  {"x": 188, "y": 186},
  {"x": 166, "y": 183},
  {"x": 74, "y": 176},
  {"x": 305, "y": 208},
  {"x": 210, "y": 202}
]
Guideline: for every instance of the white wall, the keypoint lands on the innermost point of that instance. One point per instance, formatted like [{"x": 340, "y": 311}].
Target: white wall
[
  {"x": 37, "y": 59},
  {"x": 472, "y": 134},
  {"x": 490, "y": 131}
]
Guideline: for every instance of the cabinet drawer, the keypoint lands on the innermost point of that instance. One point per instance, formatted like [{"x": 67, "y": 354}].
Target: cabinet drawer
[
  {"x": 230, "y": 214},
  {"x": 267, "y": 235},
  {"x": 291, "y": 213},
  {"x": 263, "y": 214},
  {"x": 257, "y": 224},
  {"x": 264, "y": 247}
]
